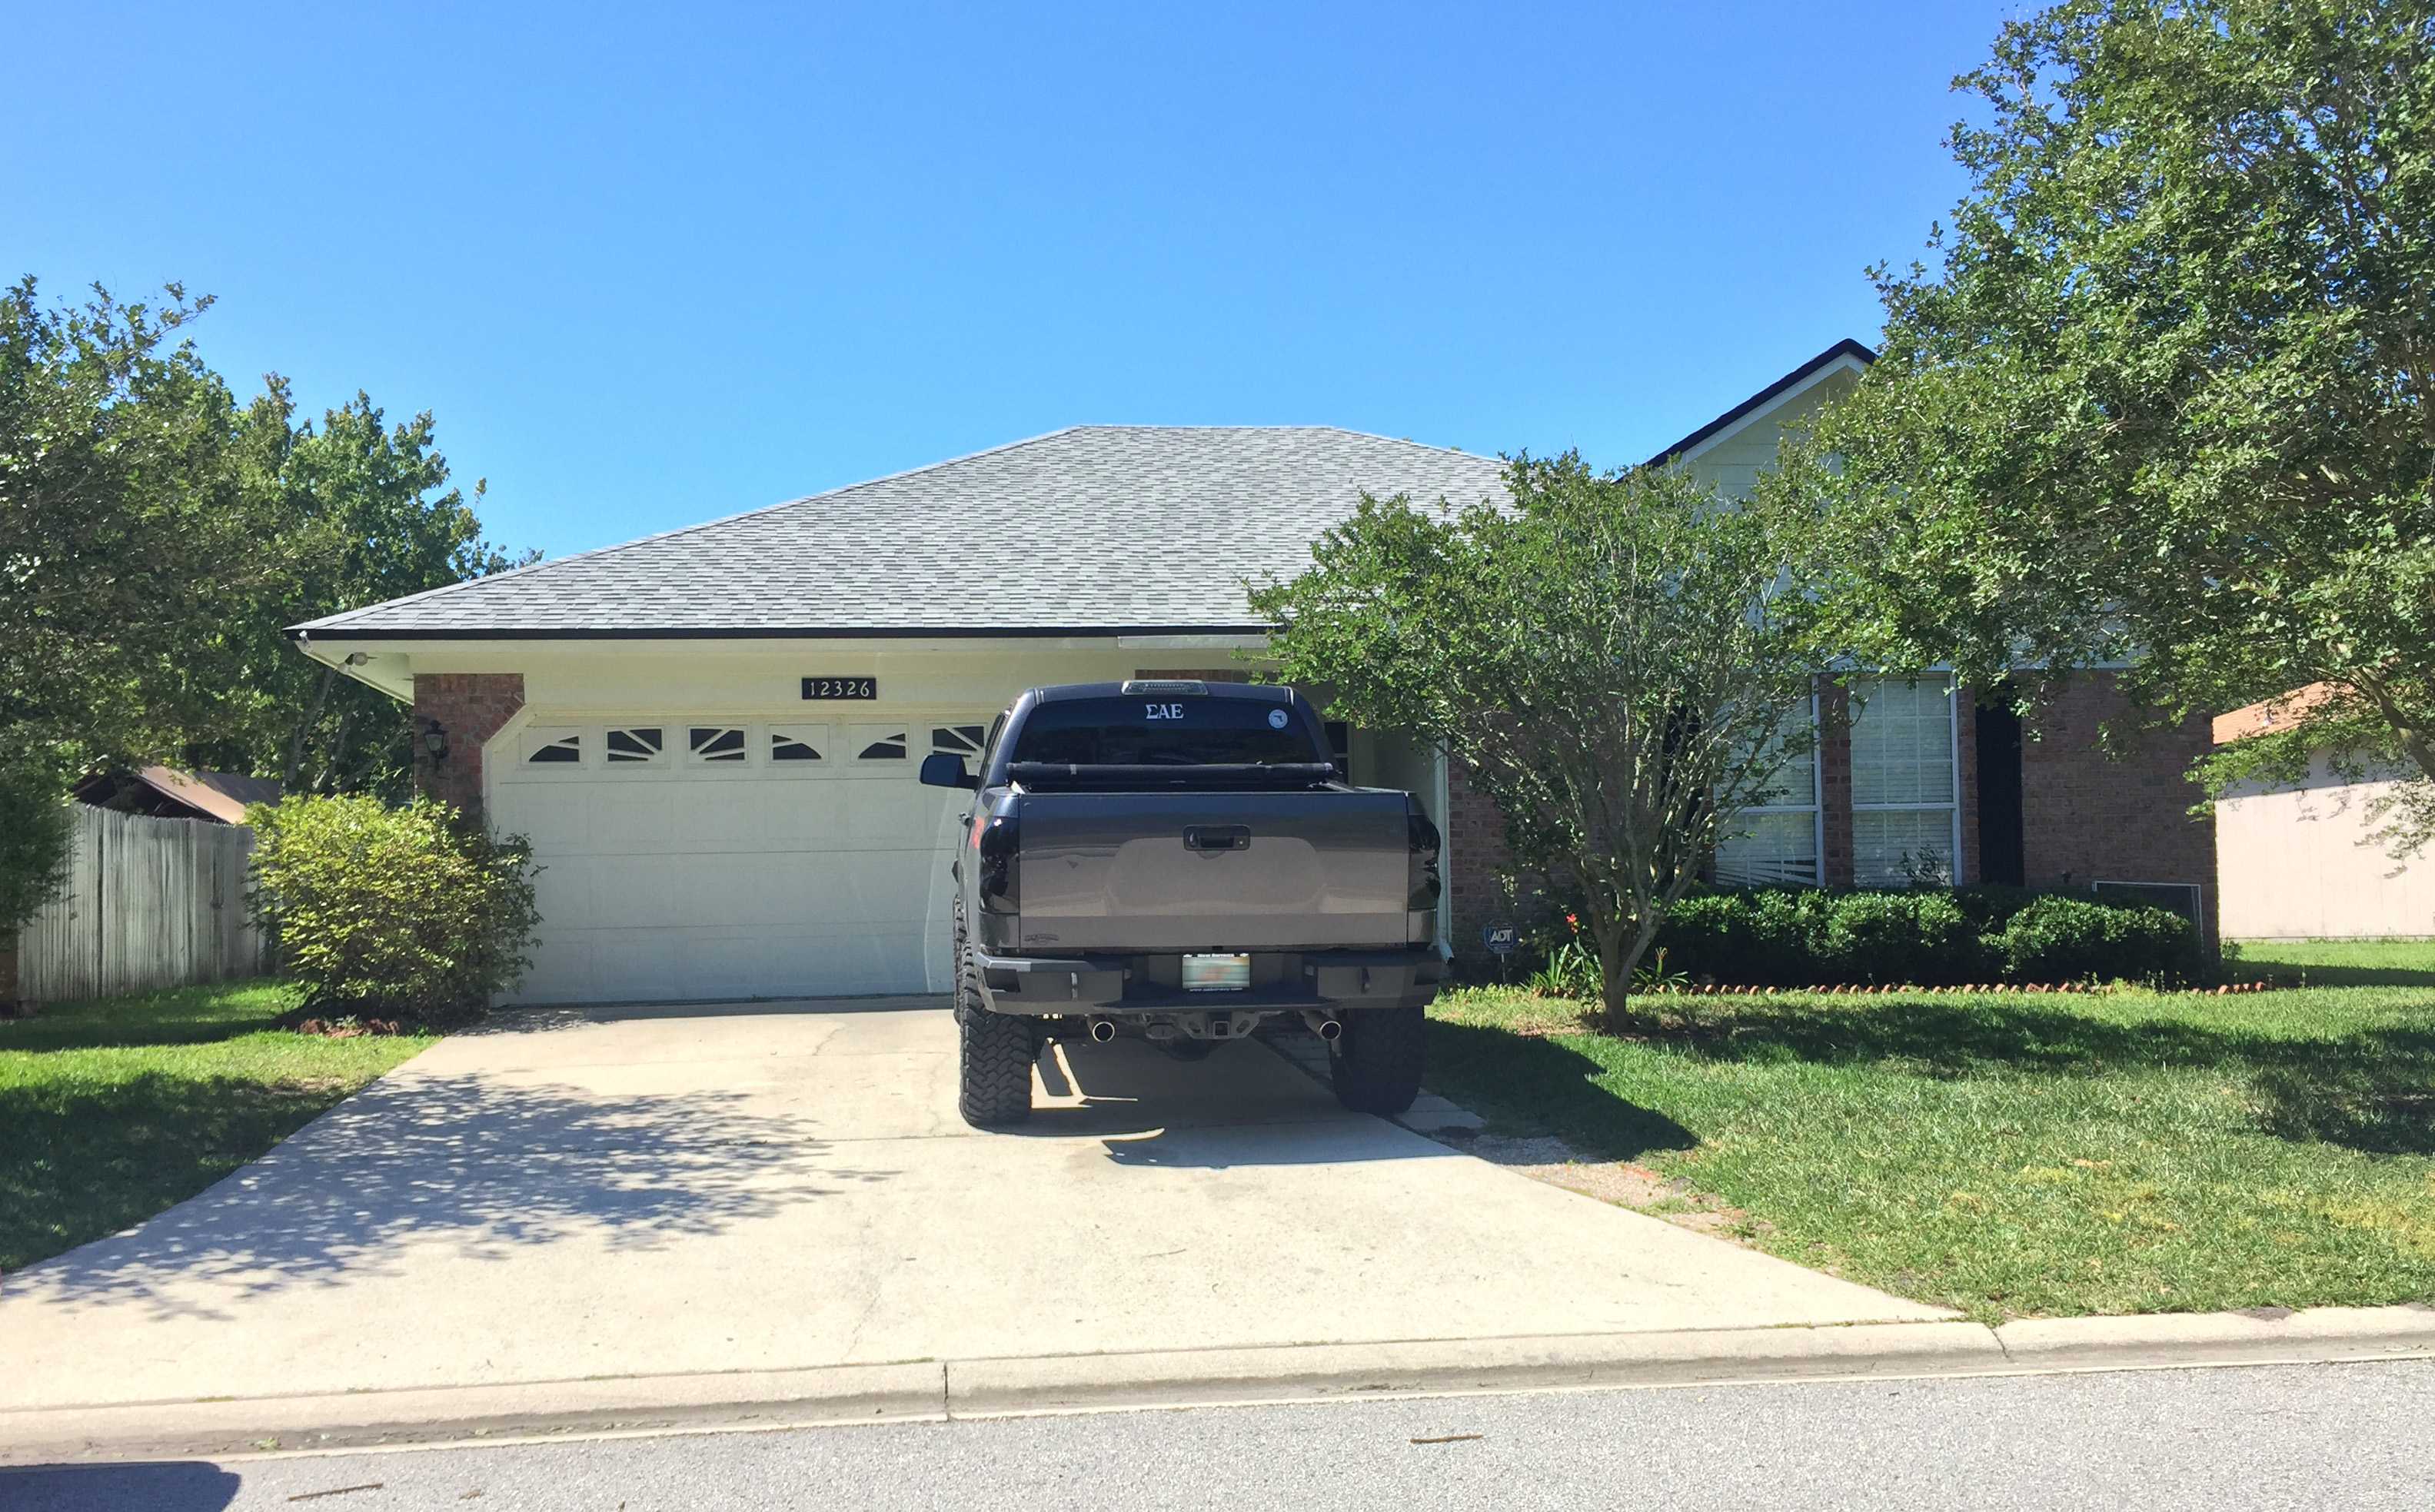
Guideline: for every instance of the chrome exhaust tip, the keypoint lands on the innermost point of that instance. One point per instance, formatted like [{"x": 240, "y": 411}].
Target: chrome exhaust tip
[
  {"x": 1326, "y": 1028},
  {"x": 1102, "y": 1030}
]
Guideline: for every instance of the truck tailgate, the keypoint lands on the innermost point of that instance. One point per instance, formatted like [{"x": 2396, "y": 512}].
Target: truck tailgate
[{"x": 1262, "y": 871}]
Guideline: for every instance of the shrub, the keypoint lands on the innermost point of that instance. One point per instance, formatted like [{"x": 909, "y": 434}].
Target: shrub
[
  {"x": 1989, "y": 906},
  {"x": 2070, "y": 940},
  {"x": 395, "y": 912},
  {"x": 1920, "y": 937},
  {"x": 1812, "y": 936},
  {"x": 1707, "y": 931}
]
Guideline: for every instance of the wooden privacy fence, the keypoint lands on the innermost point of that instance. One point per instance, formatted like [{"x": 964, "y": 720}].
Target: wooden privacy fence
[{"x": 147, "y": 903}]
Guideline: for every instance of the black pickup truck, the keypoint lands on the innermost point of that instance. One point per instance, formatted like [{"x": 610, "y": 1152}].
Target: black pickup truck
[{"x": 1180, "y": 861}]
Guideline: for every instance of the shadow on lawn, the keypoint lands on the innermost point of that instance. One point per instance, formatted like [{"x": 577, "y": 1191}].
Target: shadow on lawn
[
  {"x": 2310, "y": 974},
  {"x": 1548, "y": 1080},
  {"x": 481, "y": 1167},
  {"x": 187, "y": 1017},
  {"x": 2369, "y": 1091}
]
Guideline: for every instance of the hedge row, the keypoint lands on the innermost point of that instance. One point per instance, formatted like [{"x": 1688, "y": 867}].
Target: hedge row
[{"x": 1928, "y": 938}]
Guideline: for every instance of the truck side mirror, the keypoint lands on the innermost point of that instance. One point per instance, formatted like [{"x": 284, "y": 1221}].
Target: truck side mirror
[{"x": 946, "y": 770}]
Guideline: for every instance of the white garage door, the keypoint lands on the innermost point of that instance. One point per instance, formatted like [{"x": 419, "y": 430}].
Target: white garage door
[{"x": 695, "y": 859}]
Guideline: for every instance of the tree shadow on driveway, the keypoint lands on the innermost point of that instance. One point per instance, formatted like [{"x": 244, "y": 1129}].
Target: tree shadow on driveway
[{"x": 483, "y": 1167}]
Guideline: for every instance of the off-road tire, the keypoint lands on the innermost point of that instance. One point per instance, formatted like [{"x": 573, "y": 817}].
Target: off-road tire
[
  {"x": 994, "y": 1071},
  {"x": 1375, "y": 1062}
]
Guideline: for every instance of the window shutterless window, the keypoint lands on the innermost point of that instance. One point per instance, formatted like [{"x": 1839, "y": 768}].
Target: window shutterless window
[
  {"x": 1776, "y": 843},
  {"x": 1906, "y": 783}
]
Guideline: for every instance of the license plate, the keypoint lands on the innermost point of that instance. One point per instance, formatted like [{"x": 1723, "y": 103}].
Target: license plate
[{"x": 1216, "y": 973}]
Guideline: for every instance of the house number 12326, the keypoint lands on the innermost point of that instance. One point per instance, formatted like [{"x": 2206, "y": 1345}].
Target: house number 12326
[{"x": 842, "y": 688}]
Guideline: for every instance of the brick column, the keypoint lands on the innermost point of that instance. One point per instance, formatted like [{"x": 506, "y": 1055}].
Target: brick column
[
  {"x": 1835, "y": 783},
  {"x": 471, "y": 707}
]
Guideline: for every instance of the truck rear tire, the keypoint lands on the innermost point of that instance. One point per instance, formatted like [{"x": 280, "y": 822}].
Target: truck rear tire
[
  {"x": 1375, "y": 1062},
  {"x": 993, "y": 1081}
]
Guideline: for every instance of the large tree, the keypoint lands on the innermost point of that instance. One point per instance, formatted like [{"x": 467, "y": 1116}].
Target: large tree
[
  {"x": 154, "y": 537},
  {"x": 127, "y": 531},
  {"x": 1619, "y": 659},
  {"x": 2165, "y": 391},
  {"x": 363, "y": 512},
  {"x": 124, "y": 530}
]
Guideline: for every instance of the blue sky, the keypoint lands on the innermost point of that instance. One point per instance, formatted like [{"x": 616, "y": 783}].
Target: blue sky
[{"x": 653, "y": 265}]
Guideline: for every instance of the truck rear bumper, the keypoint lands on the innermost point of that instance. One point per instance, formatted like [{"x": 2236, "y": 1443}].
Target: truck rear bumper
[{"x": 1119, "y": 986}]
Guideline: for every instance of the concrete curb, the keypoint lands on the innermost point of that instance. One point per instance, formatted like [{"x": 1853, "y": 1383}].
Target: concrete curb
[
  {"x": 2322, "y": 1335},
  {"x": 455, "y": 1414},
  {"x": 933, "y": 1391},
  {"x": 979, "y": 1388}
]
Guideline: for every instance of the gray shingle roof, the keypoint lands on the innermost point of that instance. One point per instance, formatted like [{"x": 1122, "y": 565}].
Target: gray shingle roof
[{"x": 1097, "y": 527}]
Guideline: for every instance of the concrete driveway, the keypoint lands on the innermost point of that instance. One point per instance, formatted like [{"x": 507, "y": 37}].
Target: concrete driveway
[{"x": 663, "y": 1190}]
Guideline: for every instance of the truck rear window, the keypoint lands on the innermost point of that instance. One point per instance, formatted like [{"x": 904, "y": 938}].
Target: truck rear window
[{"x": 1172, "y": 731}]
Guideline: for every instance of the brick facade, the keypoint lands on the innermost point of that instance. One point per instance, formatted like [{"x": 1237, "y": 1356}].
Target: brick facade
[
  {"x": 2087, "y": 817},
  {"x": 470, "y": 707}
]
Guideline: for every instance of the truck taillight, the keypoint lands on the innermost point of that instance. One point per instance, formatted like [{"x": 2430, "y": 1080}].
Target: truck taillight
[
  {"x": 997, "y": 840},
  {"x": 1421, "y": 870}
]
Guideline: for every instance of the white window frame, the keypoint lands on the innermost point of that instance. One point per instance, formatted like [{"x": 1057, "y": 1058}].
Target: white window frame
[
  {"x": 1815, "y": 808},
  {"x": 1953, "y": 756}
]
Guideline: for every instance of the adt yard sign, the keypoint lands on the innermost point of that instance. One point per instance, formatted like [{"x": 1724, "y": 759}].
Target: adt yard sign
[{"x": 1500, "y": 938}]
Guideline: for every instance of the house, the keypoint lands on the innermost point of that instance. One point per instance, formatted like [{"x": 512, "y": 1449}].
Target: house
[
  {"x": 161, "y": 793},
  {"x": 711, "y": 735},
  {"x": 2301, "y": 860},
  {"x": 1925, "y": 782}
]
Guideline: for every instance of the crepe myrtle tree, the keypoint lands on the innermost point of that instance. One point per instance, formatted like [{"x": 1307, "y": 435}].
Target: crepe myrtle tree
[
  {"x": 1620, "y": 661},
  {"x": 2164, "y": 390}
]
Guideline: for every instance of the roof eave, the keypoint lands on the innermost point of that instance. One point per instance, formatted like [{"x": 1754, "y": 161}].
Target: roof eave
[{"x": 1845, "y": 351}]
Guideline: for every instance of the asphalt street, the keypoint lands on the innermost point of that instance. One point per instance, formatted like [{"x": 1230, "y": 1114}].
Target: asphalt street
[{"x": 2353, "y": 1436}]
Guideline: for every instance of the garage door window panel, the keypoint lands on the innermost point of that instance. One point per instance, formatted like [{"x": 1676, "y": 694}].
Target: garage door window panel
[
  {"x": 633, "y": 744},
  {"x": 716, "y": 744},
  {"x": 553, "y": 748},
  {"x": 880, "y": 743},
  {"x": 801, "y": 750}
]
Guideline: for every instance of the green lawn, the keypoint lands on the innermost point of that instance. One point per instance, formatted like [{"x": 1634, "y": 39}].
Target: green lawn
[
  {"x": 111, "y": 1111},
  {"x": 2335, "y": 962},
  {"x": 2010, "y": 1156}
]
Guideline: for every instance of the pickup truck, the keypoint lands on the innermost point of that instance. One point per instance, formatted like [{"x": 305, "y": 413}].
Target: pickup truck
[{"x": 1178, "y": 861}]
